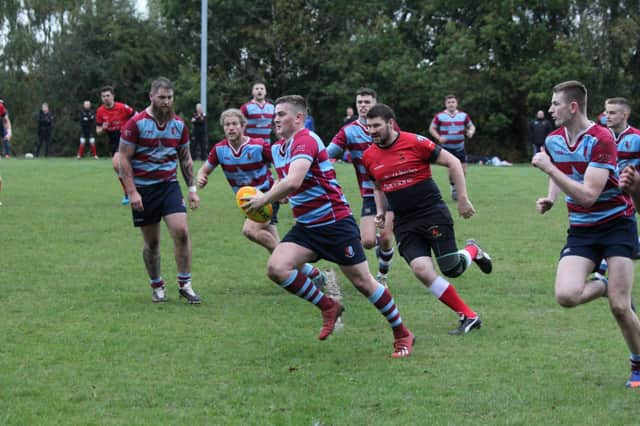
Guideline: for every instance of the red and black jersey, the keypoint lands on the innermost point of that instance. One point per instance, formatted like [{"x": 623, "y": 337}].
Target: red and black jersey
[
  {"x": 115, "y": 117},
  {"x": 403, "y": 172}
]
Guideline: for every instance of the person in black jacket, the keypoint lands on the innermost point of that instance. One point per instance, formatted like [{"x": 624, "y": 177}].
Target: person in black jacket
[
  {"x": 45, "y": 126},
  {"x": 538, "y": 131},
  {"x": 199, "y": 147},
  {"x": 87, "y": 130}
]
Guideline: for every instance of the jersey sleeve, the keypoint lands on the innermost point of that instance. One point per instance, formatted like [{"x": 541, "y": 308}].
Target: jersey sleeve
[
  {"x": 604, "y": 155},
  {"x": 435, "y": 122},
  {"x": 130, "y": 134},
  {"x": 184, "y": 140},
  {"x": 467, "y": 120},
  {"x": 427, "y": 150},
  {"x": 99, "y": 117},
  {"x": 212, "y": 159},
  {"x": 266, "y": 152},
  {"x": 130, "y": 111},
  {"x": 304, "y": 147},
  {"x": 340, "y": 139}
]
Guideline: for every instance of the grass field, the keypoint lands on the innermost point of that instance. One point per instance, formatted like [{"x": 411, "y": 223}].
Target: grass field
[{"x": 83, "y": 344}]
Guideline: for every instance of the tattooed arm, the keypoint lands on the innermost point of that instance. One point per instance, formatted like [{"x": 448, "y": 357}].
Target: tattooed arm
[{"x": 186, "y": 167}]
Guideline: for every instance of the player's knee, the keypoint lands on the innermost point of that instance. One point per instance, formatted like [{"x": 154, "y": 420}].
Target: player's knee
[
  {"x": 368, "y": 243},
  {"x": 567, "y": 299},
  {"x": 152, "y": 246},
  {"x": 82, "y": 141},
  {"x": 451, "y": 265},
  {"x": 277, "y": 271},
  {"x": 620, "y": 308}
]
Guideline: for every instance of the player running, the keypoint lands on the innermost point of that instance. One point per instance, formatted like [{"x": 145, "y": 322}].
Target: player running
[
  {"x": 245, "y": 162},
  {"x": 400, "y": 165},
  {"x": 324, "y": 227},
  {"x": 110, "y": 117},
  {"x": 355, "y": 138},
  {"x": 580, "y": 160}
]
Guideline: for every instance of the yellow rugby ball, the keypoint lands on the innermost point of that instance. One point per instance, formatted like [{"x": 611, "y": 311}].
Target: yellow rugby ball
[{"x": 261, "y": 215}]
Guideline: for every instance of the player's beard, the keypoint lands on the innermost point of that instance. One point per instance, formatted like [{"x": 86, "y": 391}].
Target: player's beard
[{"x": 162, "y": 115}]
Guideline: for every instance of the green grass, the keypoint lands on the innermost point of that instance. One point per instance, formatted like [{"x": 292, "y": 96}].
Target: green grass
[{"x": 83, "y": 344}]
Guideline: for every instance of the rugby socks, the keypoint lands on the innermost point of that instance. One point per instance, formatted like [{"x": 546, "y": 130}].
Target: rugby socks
[
  {"x": 384, "y": 259},
  {"x": 310, "y": 270},
  {"x": 93, "y": 149},
  {"x": 81, "y": 150},
  {"x": 635, "y": 362},
  {"x": 300, "y": 285},
  {"x": 447, "y": 294},
  {"x": 184, "y": 278},
  {"x": 383, "y": 301},
  {"x": 602, "y": 268},
  {"x": 156, "y": 282}
]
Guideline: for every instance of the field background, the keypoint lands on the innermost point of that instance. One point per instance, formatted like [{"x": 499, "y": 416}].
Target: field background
[{"x": 83, "y": 344}]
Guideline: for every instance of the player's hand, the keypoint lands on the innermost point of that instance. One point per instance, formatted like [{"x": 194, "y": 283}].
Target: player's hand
[
  {"x": 465, "y": 208},
  {"x": 542, "y": 160},
  {"x": 543, "y": 205},
  {"x": 442, "y": 139},
  {"x": 629, "y": 179},
  {"x": 194, "y": 200},
  {"x": 202, "y": 180},
  {"x": 136, "y": 201},
  {"x": 380, "y": 220},
  {"x": 469, "y": 134},
  {"x": 253, "y": 202}
]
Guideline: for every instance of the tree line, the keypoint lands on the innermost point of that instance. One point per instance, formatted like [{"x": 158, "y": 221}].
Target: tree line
[{"x": 500, "y": 57}]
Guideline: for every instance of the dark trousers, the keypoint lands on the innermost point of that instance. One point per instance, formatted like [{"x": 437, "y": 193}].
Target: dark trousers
[
  {"x": 199, "y": 147},
  {"x": 44, "y": 137}
]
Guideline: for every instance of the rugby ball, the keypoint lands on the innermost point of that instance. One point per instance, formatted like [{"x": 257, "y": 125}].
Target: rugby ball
[
  {"x": 261, "y": 215},
  {"x": 28, "y": 156}
]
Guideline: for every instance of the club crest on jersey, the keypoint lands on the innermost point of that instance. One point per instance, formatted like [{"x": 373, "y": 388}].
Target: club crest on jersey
[{"x": 349, "y": 252}]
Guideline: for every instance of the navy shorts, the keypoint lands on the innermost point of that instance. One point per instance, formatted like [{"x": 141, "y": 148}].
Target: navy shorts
[
  {"x": 616, "y": 238},
  {"x": 421, "y": 240},
  {"x": 158, "y": 200},
  {"x": 369, "y": 207},
  {"x": 460, "y": 154},
  {"x": 338, "y": 242}
]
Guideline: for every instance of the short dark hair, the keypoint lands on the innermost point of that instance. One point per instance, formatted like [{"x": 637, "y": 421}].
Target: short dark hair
[
  {"x": 365, "y": 91},
  {"x": 161, "y": 83},
  {"x": 620, "y": 101},
  {"x": 450, "y": 96},
  {"x": 259, "y": 81},
  {"x": 297, "y": 101},
  {"x": 383, "y": 111},
  {"x": 107, "y": 88},
  {"x": 573, "y": 90}
]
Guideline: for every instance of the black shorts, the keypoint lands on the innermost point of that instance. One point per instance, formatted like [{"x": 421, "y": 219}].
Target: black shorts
[
  {"x": 616, "y": 238},
  {"x": 460, "y": 154},
  {"x": 421, "y": 240},
  {"x": 338, "y": 242},
  {"x": 158, "y": 200},
  {"x": 369, "y": 207},
  {"x": 114, "y": 141},
  {"x": 86, "y": 133},
  {"x": 274, "y": 216}
]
